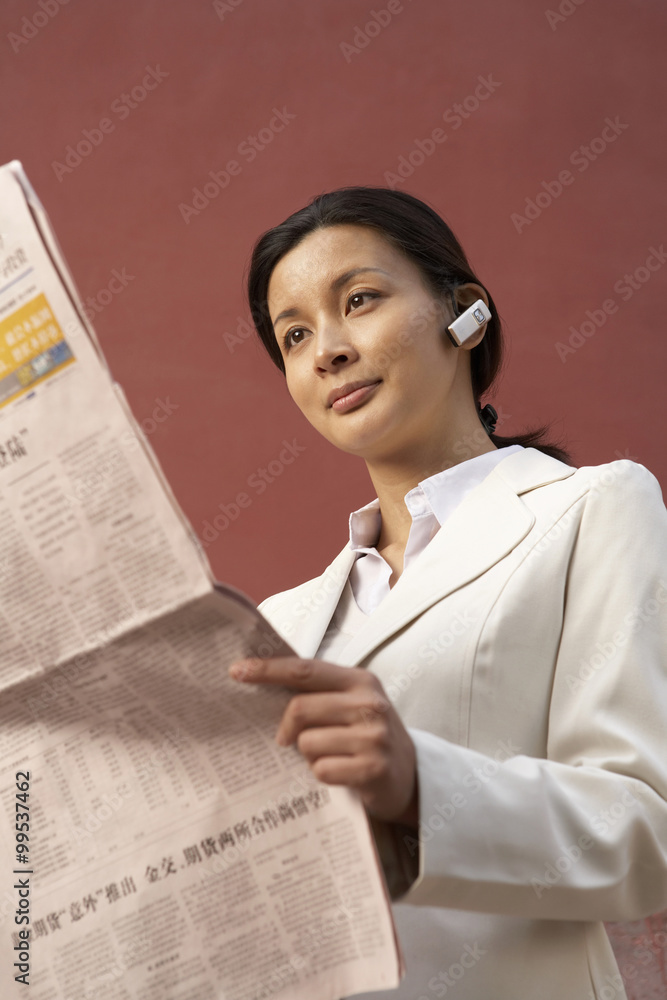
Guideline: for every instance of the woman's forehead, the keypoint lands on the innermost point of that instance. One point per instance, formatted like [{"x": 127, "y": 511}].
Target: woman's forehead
[{"x": 328, "y": 252}]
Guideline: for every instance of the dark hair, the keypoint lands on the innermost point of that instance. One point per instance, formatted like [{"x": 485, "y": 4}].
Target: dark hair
[{"x": 417, "y": 231}]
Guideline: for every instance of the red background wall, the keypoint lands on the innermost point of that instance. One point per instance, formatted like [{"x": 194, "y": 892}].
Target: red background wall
[
  {"x": 226, "y": 68},
  {"x": 164, "y": 333}
]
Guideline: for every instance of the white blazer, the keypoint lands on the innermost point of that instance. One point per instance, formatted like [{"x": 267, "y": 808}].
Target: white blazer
[{"x": 526, "y": 651}]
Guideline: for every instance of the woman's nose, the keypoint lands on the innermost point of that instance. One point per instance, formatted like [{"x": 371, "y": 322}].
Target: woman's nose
[{"x": 333, "y": 348}]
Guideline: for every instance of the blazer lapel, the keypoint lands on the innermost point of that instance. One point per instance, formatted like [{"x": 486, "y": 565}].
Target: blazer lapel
[
  {"x": 316, "y": 601},
  {"x": 485, "y": 527}
]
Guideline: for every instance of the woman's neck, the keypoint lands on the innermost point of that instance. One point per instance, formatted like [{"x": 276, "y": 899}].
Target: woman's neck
[{"x": 392, "y": 480}]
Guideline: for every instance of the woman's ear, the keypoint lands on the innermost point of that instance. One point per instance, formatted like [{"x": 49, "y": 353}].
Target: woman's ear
[
  {"x": 468, "y": 293},
  {"x": 471, "y": 310}
]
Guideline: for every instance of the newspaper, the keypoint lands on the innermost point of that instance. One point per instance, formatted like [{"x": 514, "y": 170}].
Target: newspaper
[{"x": 156, "y": 842}]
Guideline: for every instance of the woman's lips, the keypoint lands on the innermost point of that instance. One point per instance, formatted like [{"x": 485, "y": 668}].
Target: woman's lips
[{"x": 354, "y": 398}]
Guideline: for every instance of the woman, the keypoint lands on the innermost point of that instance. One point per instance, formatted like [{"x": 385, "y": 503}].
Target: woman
[{"x": 485, "y": 660}]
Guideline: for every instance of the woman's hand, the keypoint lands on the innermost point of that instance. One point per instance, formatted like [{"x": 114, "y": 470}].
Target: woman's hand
[{"x": 347, "y": 729}]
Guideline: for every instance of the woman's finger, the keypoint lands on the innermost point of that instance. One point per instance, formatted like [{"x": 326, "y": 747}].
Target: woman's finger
[
  {"x": 330, "y": 708},
  {"x": 300, "y": 674},
  {"x": 382, "y": 795},
  {"x": 338, "y": 741}
]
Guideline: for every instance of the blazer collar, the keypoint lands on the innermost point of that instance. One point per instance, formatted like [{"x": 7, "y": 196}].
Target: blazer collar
[{"x": 489, "y": 522}]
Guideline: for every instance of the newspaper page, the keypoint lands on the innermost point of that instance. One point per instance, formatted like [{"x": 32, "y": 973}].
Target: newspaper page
[{"x": 156, "y": 842}]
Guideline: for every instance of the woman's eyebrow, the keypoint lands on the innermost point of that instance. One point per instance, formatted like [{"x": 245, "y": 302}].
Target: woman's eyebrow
[
  {"x": 343, "y": 278},
  {"x": 336, "y": 284}
]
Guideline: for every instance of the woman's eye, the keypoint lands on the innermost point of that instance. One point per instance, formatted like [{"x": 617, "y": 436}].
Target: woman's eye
[
  {"x": 292, "y": 337},
  {"x": 360, "y": 295}
]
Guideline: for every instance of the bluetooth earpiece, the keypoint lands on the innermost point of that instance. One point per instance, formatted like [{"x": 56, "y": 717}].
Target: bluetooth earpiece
[{"x": 467, "y": 322}]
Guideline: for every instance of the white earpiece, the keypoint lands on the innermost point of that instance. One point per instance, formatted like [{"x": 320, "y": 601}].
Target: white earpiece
[{"x": 468, "y": 322}]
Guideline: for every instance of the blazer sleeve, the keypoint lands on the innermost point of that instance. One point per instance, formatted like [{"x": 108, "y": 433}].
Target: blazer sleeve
[{"x": 581, "y": 834}]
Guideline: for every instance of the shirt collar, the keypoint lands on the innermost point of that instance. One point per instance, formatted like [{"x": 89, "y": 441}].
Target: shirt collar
[
  {"x": 437, "y": 496},
  {"x": 365, "y": 525}
]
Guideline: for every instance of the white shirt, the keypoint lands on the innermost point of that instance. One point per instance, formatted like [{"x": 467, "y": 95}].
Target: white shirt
[{"x": 430, "y": 503}]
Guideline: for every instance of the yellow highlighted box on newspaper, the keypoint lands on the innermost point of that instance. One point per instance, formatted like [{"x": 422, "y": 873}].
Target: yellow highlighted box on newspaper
[{"x": 32, "y": 347}]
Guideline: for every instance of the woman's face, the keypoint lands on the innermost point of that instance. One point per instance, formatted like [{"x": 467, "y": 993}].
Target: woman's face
[{"x": 362, "y": 338}]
